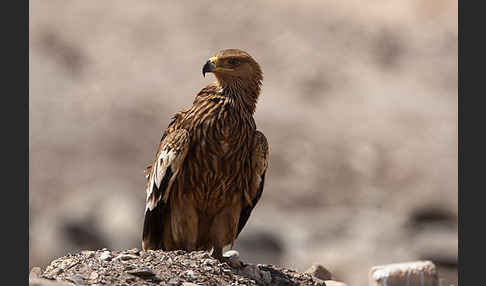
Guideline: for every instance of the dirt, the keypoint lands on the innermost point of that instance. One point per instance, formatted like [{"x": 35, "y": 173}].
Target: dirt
[{"x": 135, "y": 267}]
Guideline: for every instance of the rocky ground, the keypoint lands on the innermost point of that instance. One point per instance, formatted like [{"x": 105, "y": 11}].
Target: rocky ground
[{"x": 135, "y": 267}]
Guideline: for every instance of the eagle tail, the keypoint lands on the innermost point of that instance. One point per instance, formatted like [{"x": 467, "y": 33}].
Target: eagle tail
[{"x": 153, "y": 226}]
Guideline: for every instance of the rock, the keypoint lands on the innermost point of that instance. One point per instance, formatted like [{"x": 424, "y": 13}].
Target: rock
[
  {"x": 46, "y": 282},
  {"x": 105, "y": 256},
  {"x": 319, "y": 271},
  {"x": 190, "y": 275},
  {"x": 173, "y": 282},
  {"x": 67, "y": 264},
  {"x": 35, "y": 272},
  {"x": 88, "y": 253},
  {"x": 422, "y": 273},
  {"x": 94, "y": 275},
  {"x": 125, "y": 257},
  {"x": 134, "y": 251},
  {"x": 142, "y": 273},
  {"x": 266, "y": 276},
  {"x": 251, "y": 271},
  {"x": 333, "y": 283},
  {"x": 233, "y": 258},
  {"x": 57, "y": 271},
  {"x": 77, "y": 279}
]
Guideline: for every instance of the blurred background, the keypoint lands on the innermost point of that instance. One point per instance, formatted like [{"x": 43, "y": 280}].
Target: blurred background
[{"x": 359, "y": 106}]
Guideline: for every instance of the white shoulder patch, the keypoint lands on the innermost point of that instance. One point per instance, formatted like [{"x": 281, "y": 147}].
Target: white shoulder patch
[{"x": 164, "y": 160}]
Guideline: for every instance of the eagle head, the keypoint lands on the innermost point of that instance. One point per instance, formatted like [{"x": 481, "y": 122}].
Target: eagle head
[{"x": 233, "y": 64}]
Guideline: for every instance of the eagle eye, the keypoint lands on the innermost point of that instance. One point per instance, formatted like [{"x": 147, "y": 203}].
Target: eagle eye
[{"x": 233, "y": 62}]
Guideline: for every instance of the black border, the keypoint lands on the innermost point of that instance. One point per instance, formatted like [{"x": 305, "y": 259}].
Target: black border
[
  {"x": 15, "y": 136},
  {"x": 460, "y": 26},
  {"x": 471, "y": 171}
]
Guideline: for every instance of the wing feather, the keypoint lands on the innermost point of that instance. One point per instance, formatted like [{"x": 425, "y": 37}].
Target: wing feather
[
  {"x": 171, "y": 154},
  {"x": 160, "y": 177},
  {"x": 259, "y": 164}
]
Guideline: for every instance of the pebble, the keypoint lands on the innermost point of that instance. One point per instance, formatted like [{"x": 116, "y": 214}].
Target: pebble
[
  {"x": 125, "y": 257},
  {"x": 190, "y": 275},
  {"x": 35, "y": 272},
  {"x": 173, "y": 281},
  {"x": 77, "y": 279},
  {"x": 208, "y": 261},
  {"x": 251, "y": 271},
  {"x": 202, "y": 255},
  {"x": 266, "y": 276},
  {"x": 334, "y": 283},
  {"x": 57, "y": 271},
  {"x": 233, "y": 258},
  {"x": 135, "y": 251},
  {"x": 88, "y": 253},
  {"x": 94, "y": 275},
  {"x": 188, "y": 284},
  {"x": 319, "y": 271},
  {"x": 105, "y": 256},
  {"x": 144, "y": 272},
  {"x": 68, "y": 263}
]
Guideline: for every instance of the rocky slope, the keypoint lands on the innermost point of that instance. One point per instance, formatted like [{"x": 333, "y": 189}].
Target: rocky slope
[{"x": 135, "y": 267}]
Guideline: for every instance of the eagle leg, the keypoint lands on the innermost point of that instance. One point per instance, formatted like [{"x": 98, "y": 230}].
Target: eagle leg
[{"x": 218, "y": 253}]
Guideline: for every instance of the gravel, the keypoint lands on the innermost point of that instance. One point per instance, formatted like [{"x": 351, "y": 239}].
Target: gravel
[{"x": 136, "y": 267}]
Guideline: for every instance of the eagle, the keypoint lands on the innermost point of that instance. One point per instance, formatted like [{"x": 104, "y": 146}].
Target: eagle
[{"x": 209, "y": 170}]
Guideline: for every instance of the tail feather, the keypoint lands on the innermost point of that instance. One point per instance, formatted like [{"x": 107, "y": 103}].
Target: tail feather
[{"x": 153, "y": 227}]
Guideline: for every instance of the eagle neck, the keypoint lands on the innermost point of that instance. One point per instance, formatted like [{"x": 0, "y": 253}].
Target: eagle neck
[{"x": 244, "y": 93}]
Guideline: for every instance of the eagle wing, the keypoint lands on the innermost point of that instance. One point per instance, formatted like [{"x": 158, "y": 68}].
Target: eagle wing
[
  {"x": 259, "y": 167},
  {"x": 160, "y": 177}
]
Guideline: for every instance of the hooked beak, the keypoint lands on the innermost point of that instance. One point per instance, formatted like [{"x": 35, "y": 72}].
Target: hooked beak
[{"x": 209, "y": 66}]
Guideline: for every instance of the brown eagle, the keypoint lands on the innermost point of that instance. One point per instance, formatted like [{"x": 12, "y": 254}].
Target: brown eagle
[{"x": 209, "y": 170}]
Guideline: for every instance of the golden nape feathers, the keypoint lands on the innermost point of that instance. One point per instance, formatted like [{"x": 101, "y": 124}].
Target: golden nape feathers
[{"x": 209, "y": 171}]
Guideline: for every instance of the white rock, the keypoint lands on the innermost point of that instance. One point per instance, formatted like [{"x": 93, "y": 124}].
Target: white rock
[
  {"x": 334, "y": 283},
  {"x": 421, "y": 273},
  {"x": 105, "y": 256},
  {"x": 209, "y": 261},
  {"x": 233, "y": 258},
  {"x": 190, "y": 275}
]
